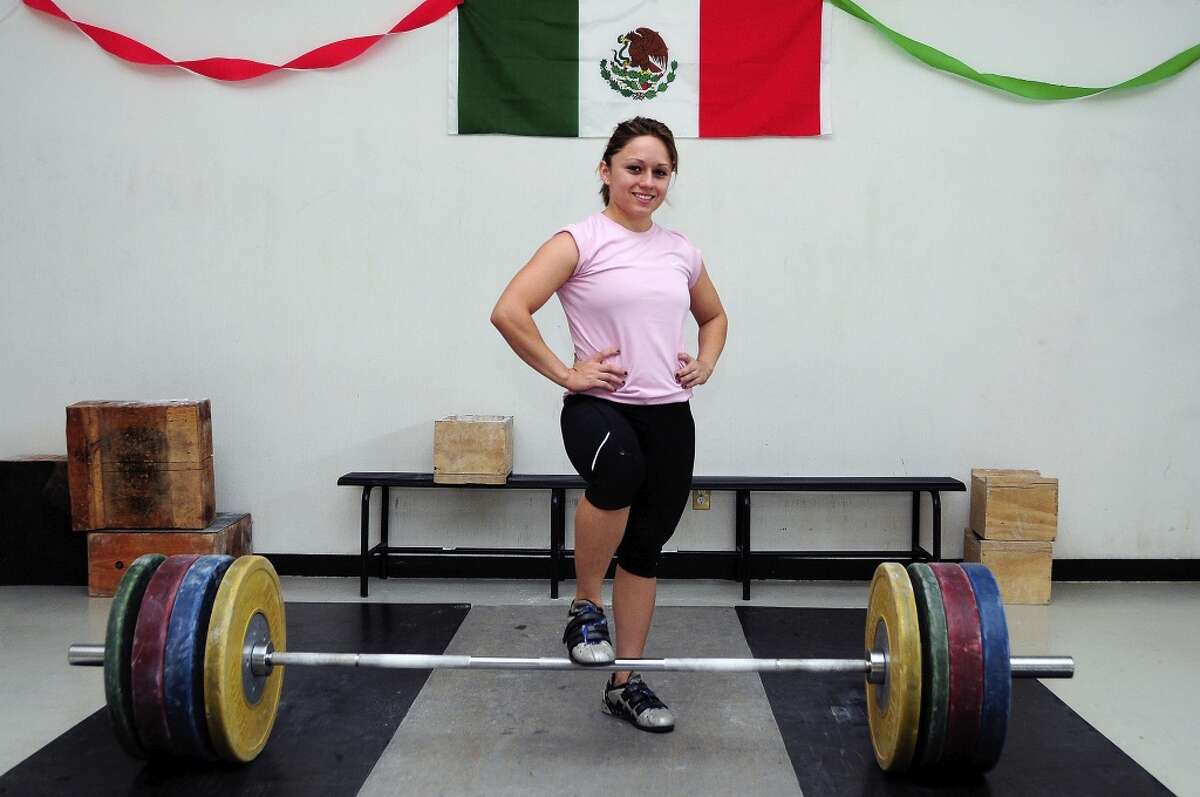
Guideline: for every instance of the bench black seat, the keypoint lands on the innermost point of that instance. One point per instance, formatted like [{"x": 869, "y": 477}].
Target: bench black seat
[{"x": 816, "y": 484}]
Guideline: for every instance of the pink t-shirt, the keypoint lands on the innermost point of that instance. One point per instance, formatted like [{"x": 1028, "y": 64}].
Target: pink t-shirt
[{"x": 631, "y": 291}]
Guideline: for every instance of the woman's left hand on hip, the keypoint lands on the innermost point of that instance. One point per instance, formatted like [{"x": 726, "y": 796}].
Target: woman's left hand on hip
[{"x": 694, "y": 372}]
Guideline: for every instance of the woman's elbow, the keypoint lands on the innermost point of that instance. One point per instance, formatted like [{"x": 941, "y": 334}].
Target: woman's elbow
[
  {"x": 497, "y": 317},
  {"x": 502, "y": 317}
]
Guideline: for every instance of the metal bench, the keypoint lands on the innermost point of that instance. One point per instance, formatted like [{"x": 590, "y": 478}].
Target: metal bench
[{"x": 743, "y": 486}]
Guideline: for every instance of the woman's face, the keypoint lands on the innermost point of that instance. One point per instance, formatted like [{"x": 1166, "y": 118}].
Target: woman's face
[{"x": 639, "y": 177}]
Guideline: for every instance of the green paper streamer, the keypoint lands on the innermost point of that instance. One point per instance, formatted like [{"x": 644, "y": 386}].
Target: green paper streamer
[{"x": 1030, "y": 89}]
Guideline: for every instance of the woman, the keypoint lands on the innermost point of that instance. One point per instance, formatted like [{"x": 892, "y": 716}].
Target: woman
[{"x": 625, "y": 284}]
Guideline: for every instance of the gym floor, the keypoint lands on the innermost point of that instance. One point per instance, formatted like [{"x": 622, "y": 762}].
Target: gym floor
[{"x": 1135, "y": 646}]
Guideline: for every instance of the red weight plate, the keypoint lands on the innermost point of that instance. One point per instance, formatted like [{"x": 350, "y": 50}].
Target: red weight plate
[
  {"x": 149, "y": 645},
  {"x": 966, "y": 664}
]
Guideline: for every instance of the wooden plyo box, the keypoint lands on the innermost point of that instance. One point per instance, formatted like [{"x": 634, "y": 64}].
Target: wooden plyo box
[
  {"x": 472, "y": 449},
  {"x": 1014, "y": 505},
  {"x": 111, "y": 552},
  {"x": 1022, "y": 569},
  {"x": 140, "y": 465}
]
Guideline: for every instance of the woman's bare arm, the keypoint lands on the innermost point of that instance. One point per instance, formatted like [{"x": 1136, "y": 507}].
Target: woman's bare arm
[
  {"x": 532, "y": 287},
  {"x": 710, "y": 316}
]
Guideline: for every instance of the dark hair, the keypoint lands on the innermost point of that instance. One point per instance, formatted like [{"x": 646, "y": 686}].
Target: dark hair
[{"x": 631, "y": 129}]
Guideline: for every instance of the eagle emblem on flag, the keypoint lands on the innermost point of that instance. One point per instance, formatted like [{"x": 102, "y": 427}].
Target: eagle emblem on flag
[{"x": 641, "y": 68}]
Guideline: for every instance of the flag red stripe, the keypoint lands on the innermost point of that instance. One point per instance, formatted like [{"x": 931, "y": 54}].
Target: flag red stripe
[
  {"x": 760, "y": 67},
  {"x": 231, "y": 69}
]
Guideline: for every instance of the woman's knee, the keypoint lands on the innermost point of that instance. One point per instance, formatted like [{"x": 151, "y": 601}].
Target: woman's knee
[
  {"x": 642, "y": 545},
  {"x": 639, "y": 560}
]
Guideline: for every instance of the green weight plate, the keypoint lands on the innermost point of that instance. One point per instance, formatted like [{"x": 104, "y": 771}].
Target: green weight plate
[
  {"x": 118, "y": 649},
  {"x": 935, "y": 670}
]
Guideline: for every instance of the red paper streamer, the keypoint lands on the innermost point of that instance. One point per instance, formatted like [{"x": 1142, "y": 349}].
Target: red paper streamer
[{"x": 230, "y": 69}]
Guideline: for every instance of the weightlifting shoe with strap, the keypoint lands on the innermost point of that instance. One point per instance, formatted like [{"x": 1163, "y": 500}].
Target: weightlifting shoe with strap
[
  {"x": 586, "y": 635},
  {"x": 635, "y": 703}
]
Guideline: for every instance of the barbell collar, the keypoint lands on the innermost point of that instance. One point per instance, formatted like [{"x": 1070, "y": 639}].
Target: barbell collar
[
  {"x": 877, "y": 663},
  {"x": 81, "y": 655},
  {"x": 1042, "y": 666}
]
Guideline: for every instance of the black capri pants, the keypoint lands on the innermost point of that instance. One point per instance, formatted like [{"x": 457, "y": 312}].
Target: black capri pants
[{"x": 638, "y": 456}]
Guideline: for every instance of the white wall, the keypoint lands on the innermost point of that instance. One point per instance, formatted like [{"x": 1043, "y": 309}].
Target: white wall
[{"x": 953, "y": 279}]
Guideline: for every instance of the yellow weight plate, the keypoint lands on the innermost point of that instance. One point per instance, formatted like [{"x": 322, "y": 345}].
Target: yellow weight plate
[
  {"x": 894, "y": 707},
  {"x": 240, "y": 708}
]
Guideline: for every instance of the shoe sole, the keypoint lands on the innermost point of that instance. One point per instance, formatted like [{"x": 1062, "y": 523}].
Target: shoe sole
[{"x": 606, "y": 710}]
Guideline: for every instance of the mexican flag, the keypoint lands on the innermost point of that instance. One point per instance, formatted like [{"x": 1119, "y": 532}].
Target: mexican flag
[{"x": 578, "y": 67}]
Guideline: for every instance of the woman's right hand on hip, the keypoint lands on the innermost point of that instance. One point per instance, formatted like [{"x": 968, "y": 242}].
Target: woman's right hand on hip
[{"x": 595, "y": 373}]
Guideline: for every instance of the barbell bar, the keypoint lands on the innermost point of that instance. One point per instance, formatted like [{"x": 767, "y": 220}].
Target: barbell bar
[
  {"x": 263, "y": 658},
  {"x": 231, "y": 683}
]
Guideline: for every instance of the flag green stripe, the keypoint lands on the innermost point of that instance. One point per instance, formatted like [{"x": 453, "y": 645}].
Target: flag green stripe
[
  {"x": 1030, "y": 89},
  {"x": 518, "y": 67}
]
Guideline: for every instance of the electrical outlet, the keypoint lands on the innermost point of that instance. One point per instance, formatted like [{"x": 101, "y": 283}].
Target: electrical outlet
[{"x": 701, "y": 499}]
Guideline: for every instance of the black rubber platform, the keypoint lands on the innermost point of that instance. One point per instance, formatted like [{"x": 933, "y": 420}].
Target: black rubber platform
[
  {"x": 333, "y": 723},
  {"x": 1050, "y": 749}
]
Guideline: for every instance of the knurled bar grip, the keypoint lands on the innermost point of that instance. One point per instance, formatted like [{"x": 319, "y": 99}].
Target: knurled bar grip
[
  {"x": 1022, "y": 666},
  {"x": 405, "y": 661}
]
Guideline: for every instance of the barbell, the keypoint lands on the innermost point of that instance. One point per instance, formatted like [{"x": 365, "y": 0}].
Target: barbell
[{"x": 195, "y": 647}]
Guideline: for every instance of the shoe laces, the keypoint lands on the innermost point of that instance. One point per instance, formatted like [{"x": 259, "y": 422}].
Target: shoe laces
[
  {"x": 639, "y": 696},
  {"x": 589, "y": 619}
]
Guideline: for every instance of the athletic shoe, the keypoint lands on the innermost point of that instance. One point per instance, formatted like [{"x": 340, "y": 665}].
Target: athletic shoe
[
  {"x": 635, "y": 703},
  {"x": 586, "y": 635}
]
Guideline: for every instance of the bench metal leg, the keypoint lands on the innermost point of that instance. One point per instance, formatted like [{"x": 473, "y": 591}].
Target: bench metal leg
[
  {"x": 558, "y": 535},
  {"x": 742, "y": 533},
  {"x": 936, "y": 498},
  {"x": 739, "y": 545},
  {"x": 916, "y": 522},
  {"x": 383, "y": 533},
  {"x": 366, "y": 526}
]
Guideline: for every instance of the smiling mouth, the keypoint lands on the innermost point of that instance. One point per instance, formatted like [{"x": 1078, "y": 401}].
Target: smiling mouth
[{"x": 644, "y": 197}]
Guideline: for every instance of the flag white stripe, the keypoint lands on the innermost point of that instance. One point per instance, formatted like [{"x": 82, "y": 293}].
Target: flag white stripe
[
  {"x": 826, "y": 58},
  {"x": 452, "y": 82},
  {"x": 601, "y": 22}
]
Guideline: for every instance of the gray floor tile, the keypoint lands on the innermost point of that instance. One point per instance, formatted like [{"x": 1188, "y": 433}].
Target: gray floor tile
[{"x": 516, "y": 733}]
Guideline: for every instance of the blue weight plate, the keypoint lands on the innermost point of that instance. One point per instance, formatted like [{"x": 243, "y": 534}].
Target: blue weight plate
[
  {"x": 997, "y": 668},
  {"x": 183, "y": 663}
]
